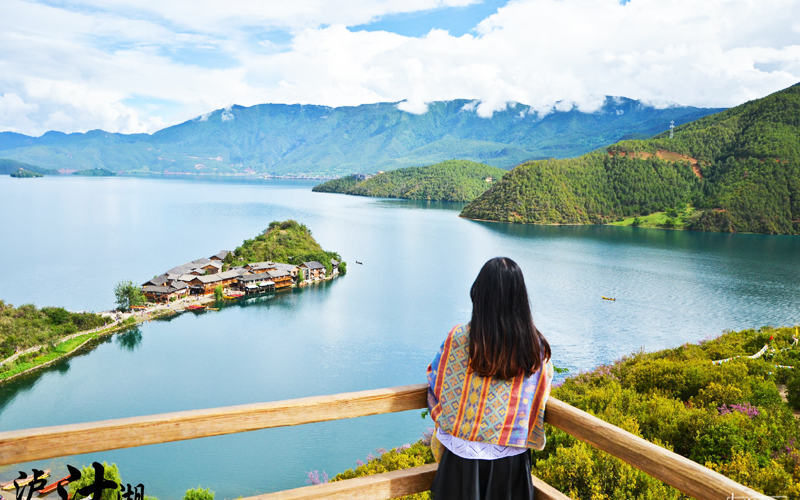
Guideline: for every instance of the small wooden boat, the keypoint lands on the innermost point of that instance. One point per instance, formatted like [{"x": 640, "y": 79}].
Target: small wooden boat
[
  {"x": 22, "y": 482},
  {"x": 609, "y": 298},
  {"x": 53, "y": 486},
  {"x": 357, "y": 262},
  {"x": 195, "y": 307},
  {"x": 212, "y": 308}
]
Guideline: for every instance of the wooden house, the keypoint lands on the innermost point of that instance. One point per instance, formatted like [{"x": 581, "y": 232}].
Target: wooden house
[
  {"x": 313, "y": 270},
  {"x": 289, "y": 268},
  {"x": 162, "y": 280},
  {"x": 282, "y": 279},
  {"x": 158, "y": 293},
  {"x": 220, "y": 257},
  {"x": 260, "y": 267},
  {"x": 213, "y": 267},
  {"x": 255, "y": 283}
]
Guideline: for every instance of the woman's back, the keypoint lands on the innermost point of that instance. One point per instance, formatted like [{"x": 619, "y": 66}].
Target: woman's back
[{"x": 487, "y": 389}]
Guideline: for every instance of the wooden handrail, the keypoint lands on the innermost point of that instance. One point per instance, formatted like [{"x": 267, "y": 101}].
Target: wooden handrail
[
  {"x": 386, "y": 485},
  {"x": 64, "y": 440},
  {"x": 73, "y": 439}
]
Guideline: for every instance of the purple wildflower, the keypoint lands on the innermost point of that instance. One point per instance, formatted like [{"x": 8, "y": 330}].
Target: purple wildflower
[
  {"x": 744, "y": 408},
  {"x": 359, "y": 463},
  {"x": 403, "y": 448},
  {"x": 370, "y": 457},
  {"x": 427, "y": 435},
  {"x": 313, "y": 477}
]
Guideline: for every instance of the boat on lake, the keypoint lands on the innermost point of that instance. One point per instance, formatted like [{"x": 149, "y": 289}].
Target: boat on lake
[
  {"x": 52, "y": 486},
  {"x": 195, "y": 307},
  {"x": 9, "y": 485},
  {"x": 609, "y": 298}
]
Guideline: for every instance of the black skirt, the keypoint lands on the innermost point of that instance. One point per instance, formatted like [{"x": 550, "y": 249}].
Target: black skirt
[{"x": 506, "y": 478}]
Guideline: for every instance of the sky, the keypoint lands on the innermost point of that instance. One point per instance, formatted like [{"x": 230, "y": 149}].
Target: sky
[{"x": 136, "y": 66}]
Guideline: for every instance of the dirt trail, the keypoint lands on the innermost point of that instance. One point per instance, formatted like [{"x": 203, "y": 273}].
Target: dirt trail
[
  {"x": 783, "y": 392},
  {"x": 664, "y": 155}
]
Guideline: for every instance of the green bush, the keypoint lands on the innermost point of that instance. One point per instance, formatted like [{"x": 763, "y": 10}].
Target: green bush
[
  {"x": 110, "y": 472},
  {"x": 403, "y": 457},
  {"x": 793, "y": 388},
  {"x": 199, "y": 494}
]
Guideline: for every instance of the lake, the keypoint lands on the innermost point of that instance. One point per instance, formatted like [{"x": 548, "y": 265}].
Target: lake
[{"x": 68, "y": 241}]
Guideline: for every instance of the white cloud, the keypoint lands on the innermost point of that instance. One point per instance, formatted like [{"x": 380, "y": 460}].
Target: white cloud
[
  {"x": 227, "y": 115},
  {"x": 77, "y": 70}
]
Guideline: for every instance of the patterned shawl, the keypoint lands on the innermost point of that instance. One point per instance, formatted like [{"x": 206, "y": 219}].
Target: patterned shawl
[{"x": 487, "y": 410}]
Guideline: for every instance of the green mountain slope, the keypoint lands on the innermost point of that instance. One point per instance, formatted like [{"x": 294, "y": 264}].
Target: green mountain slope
[
  {"x": 454, "y": 180},
  {"x": 286, "y": 242},
  {"x": 283, "y": 139},
  {"x": 740, "y": 169}
]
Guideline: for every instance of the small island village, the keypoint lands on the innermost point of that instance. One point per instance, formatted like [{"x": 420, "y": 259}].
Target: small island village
[{"x": 202, "y": 277}]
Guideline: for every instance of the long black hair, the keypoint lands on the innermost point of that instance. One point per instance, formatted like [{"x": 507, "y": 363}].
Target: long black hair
[{"x": 503, "y": 341}]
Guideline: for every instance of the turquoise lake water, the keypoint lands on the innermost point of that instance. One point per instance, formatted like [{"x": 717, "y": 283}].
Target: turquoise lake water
[{"x": 67, "y": 241}]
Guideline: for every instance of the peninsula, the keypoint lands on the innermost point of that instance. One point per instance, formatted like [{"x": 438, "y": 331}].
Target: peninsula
[
  {"x": 735, "y": 171},
  {"x": 283, "y": 256},
  {"x": 454, "y": 180}
]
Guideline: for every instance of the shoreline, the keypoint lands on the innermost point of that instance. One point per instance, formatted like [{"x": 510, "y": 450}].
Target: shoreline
[{"x": 156, "y": 311}]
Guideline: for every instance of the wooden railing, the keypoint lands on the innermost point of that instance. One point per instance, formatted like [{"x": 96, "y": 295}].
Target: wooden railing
[{"x": 65, "y": 440}]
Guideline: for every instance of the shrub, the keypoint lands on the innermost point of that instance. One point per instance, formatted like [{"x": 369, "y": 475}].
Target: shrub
[
  {"x": 110, "y": 472},
  {"x": 199, "y": 494}
]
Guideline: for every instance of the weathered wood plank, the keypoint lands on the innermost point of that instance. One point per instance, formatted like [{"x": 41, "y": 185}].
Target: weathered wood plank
[
  {"x": 387, "y": 485},
  {"x": 679, "y": 472},
  {"x": 73, "y": 439},
  {"x": 378, "y": 487},
  {"x": 544, "y": 491}
]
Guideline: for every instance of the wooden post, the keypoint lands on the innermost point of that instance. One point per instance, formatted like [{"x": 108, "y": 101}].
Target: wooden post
[{"x": 677, "y": 471}]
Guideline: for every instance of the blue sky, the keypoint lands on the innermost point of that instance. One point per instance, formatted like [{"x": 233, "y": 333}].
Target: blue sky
[
  {"x": 140, "y": 65},
  {"x": 456, "y": 20}
]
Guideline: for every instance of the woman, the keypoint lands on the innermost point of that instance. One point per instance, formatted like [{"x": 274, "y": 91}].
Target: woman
[{"x": 487, "y": 389}]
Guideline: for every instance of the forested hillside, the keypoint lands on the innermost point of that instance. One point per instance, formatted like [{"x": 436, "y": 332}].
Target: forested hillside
[
  {"x": 280, "y": 139},
  {"x": 288, "y": 242},
  {"x": 454, "y": 180},
  {"x": 27, "y": 325},
  {"x": 740, "y": 169}
]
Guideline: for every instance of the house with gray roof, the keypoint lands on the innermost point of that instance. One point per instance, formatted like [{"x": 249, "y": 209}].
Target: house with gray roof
[
  {"x": 260, "y": 267},
  {"x": 220, "y": 256},
  {"x": 313, "y": 270}
]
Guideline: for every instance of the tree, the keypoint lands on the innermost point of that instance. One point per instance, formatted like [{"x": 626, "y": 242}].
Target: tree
[
  {"x": 300, "y": 277},
  {"x": 110, "y": 472},
  {"x": 128, "y": 295},
  {"x": 342, "y": 268},
  {"x": 636, "y": 222},
  {"x": 219, "y": 293},
  {"x": 199, "y": 494}
]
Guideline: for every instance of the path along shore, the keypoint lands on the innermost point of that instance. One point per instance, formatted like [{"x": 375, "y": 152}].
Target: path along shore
[{"x": 120, "y": 321}]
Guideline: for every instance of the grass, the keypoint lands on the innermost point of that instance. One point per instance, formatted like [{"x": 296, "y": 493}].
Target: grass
[
  {"x": 26, "y": 363},
  {"x": 659, "y": 219}
]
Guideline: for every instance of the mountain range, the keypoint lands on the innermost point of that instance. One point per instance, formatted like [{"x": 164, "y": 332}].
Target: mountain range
[{"x": 279, "y": 139}]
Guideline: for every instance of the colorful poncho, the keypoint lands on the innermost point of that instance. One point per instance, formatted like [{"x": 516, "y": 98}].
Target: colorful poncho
[{"x": 487, "y": 410}]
